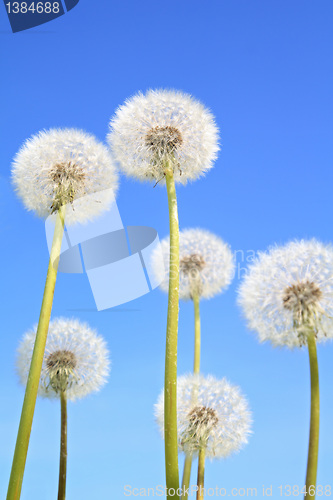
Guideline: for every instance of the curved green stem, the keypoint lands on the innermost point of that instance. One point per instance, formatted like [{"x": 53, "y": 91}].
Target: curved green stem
[
  {"x": 311, "y": 473},
  {"x": 201, "y": 474},
  {"x": 196, "y": 369},
  {"x": 23, "y": 435},
  {"x": 170, "y": 381},
  {"x": 63, "y": 447}
]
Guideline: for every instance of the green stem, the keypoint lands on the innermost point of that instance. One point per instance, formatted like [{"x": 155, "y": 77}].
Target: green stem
[
  {"x": 63, "y": 447},
  {"x": 197, "y": 333},
  {"x": 311, "y": 473},
  {"x": 186, "y": 476},
  {"x": 170, "y": 381},
  {"x": 201, "y": 474},
  {"x": 23, "y": 435},
  {"x": 196, "y": 369}
]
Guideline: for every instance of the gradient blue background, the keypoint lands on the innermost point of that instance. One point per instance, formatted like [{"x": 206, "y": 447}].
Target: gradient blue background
[{"x": 265, "y": 70}]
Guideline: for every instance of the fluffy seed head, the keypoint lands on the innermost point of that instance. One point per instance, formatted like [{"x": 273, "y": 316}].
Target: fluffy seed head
[
  {"x": 163, "y": 141},
  {"x": 76, "y": 360},
  {"x": 202, "y": 416},
  {"x": 61, "y": 369},
  {"x": 192, "y": 264},
  {"x": 59, "y": 167},
  {"x": 163, "y": 129},
  {"x": 288, "y": 292},
  {"x": 211, "y": 414},
  {"x": 206, "y": 264}
]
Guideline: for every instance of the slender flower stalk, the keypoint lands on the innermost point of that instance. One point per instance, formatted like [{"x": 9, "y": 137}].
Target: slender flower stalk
[
  {"x": 63, "y": 447},
  {"x": 170, "y": 380},
  {"x": 186, "y": 476},
  {"x": 197, "y": 333},
  {"x": 52, "y": 170},
  {"x": 23, "y": 435},
  {"x": 75, "y": 363},
  {"x": 201, "y": 474},
  {"x": 166, "y": 137},
  {"x": 196, "y": 369},
  {"x": 287, "y": 298},
  {"x": 311, "y": 473}
]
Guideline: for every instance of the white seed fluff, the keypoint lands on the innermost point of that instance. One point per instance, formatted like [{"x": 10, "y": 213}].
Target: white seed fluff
[
  {"x": 288, "y": 290},
  {"x": 58, "y": 167},
  {"x": 90, "y": 365},
  {"x": 207, "y": 264},
  {"x": 163, "y": 126},
  {"x": 211, "y": 414}
]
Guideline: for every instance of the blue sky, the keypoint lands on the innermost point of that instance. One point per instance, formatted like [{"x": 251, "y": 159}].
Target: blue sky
[{"x": 265, "y": 71}]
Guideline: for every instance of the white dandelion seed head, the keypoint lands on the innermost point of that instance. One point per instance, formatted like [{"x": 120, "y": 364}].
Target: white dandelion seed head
[
  {"x": 59, "y": 167},
  {"x": 288, "y": 292},
  {"x": 206, "y": 264},
  {"x": 76, "y": 360},
  {"x": 160, "y": 127},
  {"x": 211, "y": 414}
]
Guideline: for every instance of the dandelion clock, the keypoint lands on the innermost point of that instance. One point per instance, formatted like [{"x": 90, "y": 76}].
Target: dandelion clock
[
  {"x": 75, "y": 364},
  {"x": 214, "y": 420},
  {"x": 52, "y": 174},
  {"x": 166, "y": 137},
  {"x": 287, "y": 299}
]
